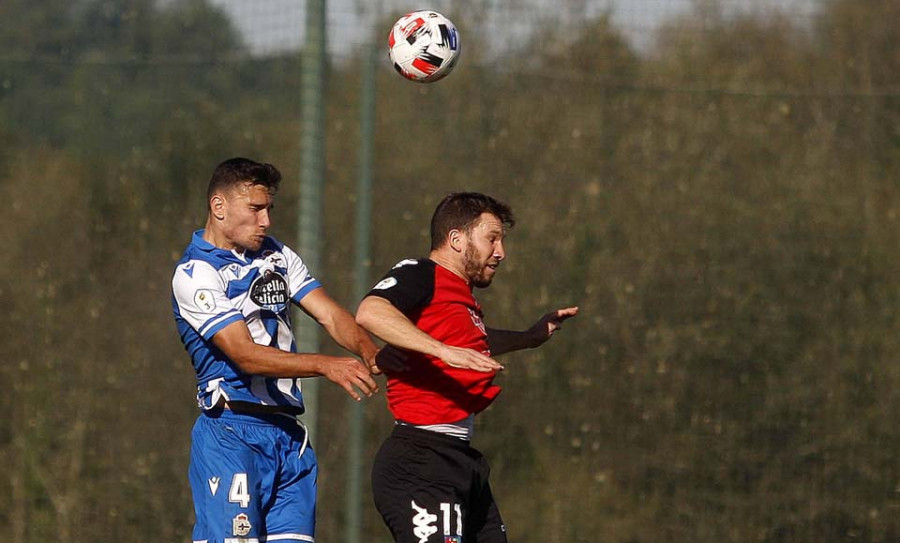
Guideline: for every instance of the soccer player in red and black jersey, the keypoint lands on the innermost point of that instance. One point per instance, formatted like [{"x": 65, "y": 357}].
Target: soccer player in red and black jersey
[{"x": 430, "y": 484}]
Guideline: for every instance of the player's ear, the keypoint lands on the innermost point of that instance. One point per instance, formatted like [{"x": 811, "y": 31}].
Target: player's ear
[
  {"x": 217, "y": 206},
  {"x": 455, "y": 240}
]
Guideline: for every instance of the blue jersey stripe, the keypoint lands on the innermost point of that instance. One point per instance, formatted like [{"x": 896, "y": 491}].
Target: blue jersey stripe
[
  {"x": 240, "y": 286},
  {"x": 311, "y": 286},
  {"x": 211, "y": 328}
]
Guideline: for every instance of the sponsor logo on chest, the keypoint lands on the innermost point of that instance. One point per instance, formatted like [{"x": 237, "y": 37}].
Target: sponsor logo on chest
[{"x": 269, "y": 290}]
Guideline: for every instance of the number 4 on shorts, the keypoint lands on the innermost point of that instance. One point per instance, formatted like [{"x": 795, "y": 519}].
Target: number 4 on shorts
[{"x": 239, "y": 491}]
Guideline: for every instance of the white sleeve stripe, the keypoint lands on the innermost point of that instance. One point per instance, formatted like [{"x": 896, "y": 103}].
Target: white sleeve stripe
[{"x": 211, "y": 323}]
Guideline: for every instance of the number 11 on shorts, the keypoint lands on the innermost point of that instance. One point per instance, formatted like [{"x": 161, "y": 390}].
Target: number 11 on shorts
[{"x": 445, "y": 509}]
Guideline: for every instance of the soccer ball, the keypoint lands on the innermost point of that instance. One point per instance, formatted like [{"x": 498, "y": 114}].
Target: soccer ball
[{"x": 424, "y": 46}]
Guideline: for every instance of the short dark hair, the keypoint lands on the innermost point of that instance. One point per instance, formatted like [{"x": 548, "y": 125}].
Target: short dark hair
[
  {"x": 236, "y": 171},
  {"x": 460, "y": 211}
]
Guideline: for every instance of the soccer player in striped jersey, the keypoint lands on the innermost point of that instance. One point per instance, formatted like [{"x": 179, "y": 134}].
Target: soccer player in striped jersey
[
  {"x": 252, "y": 471},
  {"x": 430, "y": 485}
]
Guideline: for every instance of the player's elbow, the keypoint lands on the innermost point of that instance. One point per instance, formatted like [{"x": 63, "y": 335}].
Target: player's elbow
[
  {"x": 366, "y": 315},
  {"x": 247, "y": 358}
]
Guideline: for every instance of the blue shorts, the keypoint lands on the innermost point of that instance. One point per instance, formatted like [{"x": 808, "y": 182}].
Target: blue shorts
[{"x": 252, "y": 479}]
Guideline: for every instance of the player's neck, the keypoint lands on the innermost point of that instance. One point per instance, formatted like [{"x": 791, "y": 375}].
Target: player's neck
[
  {"x": 218, "y": 239},
  {"x": 447, "y": 261}
]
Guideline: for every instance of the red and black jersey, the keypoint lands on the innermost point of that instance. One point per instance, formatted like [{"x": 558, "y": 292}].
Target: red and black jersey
[{"x": 422, "y": 389}]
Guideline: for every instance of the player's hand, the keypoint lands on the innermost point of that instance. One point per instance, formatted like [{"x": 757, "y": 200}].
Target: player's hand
[
  {"x": 459, "y": 357},
  {"x": 350, "y": 374},
  {"x": 547, "y": 325},
  {"x": 372, "y": 362},
  {"x": 392, "y": 359}
]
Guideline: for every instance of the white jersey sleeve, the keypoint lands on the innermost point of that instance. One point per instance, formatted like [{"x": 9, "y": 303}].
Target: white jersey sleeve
[
  {"x": 201, "y": 298},
  {"x": 299, "y": 278}
]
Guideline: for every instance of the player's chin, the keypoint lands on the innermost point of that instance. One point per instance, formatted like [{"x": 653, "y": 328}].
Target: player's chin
[
  {"x": 255, "y": 243},
  {"x": 483, "y": 280}
]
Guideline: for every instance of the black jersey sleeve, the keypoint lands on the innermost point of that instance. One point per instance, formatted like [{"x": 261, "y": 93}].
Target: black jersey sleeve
[{"x": 408, "y": 286}]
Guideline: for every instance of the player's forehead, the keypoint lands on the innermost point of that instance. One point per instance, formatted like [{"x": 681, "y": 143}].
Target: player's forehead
[
  {"x": 251, "y": 192},
  {"x": 488, "y": 223}
]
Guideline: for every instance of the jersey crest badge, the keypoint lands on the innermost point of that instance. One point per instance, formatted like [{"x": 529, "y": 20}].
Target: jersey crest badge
[
  {"x": 276, "y": 259},
  {"x": 476, "y": 320}
]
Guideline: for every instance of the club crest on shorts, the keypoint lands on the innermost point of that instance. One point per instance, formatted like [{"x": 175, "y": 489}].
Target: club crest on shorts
[{"x": 241, "y": 525}]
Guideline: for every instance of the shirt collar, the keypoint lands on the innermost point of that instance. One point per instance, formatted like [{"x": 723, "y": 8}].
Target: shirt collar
[
  {"x": 201, "y": 243},
  {"x": 208, "y": 247}
]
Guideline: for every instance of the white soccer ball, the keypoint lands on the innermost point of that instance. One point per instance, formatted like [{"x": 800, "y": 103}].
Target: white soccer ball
[{"x": 424, "y": 46}]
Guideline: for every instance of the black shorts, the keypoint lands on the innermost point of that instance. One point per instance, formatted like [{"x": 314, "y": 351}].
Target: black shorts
[{"x": 433, "y": 488}]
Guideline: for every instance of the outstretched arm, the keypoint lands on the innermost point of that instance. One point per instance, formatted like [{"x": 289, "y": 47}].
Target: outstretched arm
[
  {"x": 504, "y": 341},
  {"x": 340, "y": 325},
  {"x": 380, "y": 317}
]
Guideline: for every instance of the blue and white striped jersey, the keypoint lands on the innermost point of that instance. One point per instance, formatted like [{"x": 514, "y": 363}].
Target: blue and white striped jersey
[{"x": 213, "y": 288}]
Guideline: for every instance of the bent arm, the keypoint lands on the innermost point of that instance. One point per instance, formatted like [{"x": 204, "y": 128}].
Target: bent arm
[
  {"x": 380, "y": 317},
  {"x": 254, "y": 359},
  {"x": 340, "y": 325}
]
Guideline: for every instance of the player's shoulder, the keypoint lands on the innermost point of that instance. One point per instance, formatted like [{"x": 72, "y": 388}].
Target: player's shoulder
[
  {"x": 192, "y": 270},
  {"x": 200, "y": 251},
  {"x": 410, "y": 268},
  {"x": 408, "y": 285},
  {"x": 414, "y": 264},
  {"x": 408, "y": 271}
]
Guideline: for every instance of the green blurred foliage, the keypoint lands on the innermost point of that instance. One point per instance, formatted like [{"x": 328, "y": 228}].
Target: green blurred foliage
[{"x": 723, "y": 207}]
